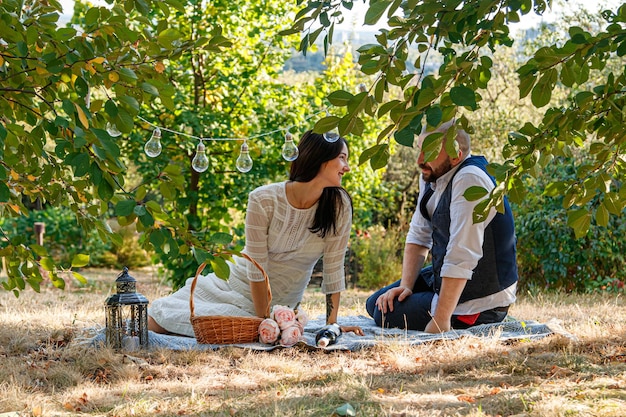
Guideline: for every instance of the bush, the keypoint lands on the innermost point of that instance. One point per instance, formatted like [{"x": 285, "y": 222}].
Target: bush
[
  {"x": 549, "y": 255},
  {"x": 64, "y": 238},
  {"x": 377, "y": 256}
]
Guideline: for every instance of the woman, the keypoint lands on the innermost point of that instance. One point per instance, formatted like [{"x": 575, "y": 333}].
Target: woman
[{"x": 289, "y": 226}]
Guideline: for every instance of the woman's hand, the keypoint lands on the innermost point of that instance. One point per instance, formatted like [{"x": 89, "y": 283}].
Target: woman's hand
[{"x": 354, "y": 329}]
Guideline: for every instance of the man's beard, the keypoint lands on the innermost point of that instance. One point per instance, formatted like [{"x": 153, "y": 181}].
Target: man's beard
[{"x": 432, "y": 176}]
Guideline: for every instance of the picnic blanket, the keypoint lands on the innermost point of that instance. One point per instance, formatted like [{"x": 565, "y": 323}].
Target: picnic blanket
[{"x": 510, "y": 329}]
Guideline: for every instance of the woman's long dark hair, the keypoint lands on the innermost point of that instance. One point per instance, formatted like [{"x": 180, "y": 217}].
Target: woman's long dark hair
[{"x": 314, "y": 151}]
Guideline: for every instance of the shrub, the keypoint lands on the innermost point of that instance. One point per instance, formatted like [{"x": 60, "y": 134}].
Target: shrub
[
  {"x": 377, "y": 256},
  {"x": 550, "y": 256},
  {"x": 64, "y": 238}
]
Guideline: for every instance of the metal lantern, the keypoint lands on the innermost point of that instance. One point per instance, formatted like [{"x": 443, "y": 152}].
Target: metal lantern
[{"x": 126, "y": 315}]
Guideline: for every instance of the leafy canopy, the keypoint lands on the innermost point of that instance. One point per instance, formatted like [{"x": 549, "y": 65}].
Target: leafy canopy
[
  {"x": 463, "y": 35},
  {"x": 62, "y": 90}
]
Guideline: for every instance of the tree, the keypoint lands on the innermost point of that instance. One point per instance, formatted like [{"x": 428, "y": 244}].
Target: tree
[
  {"x": 66, "y": 95},
  {"x": 465, "y": 34},
  {"x": 79, "y": 102}
]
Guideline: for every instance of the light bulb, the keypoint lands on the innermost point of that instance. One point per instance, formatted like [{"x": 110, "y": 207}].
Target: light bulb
[
  {"x": 244, "y": 162},
  {"x": 331, "y": 136},
  {"x": 362, "y": 88},
  {"x": 290, "y": 150},
  {"x": 153, "y": 146},
  {"x": 112, "y": 130},
  {"x": 200, "y": 162}
]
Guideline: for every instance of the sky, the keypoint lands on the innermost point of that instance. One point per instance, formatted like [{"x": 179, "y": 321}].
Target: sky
[
  {"x": 355, "y": 17},
  {"x": 357, "y": 14}
]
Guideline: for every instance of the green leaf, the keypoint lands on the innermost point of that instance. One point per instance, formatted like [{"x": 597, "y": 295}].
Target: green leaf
[
  {"x": 405, "y": 136},
  {"x": 79, "y": 260},
  {"x": 463, "y": 96},
  {"x": 542, "y": 92},
  {"x": 150, "y": 89},
  {"x": 39, "y": 250},
  {"x": 526, "y": 84},
  {"x": 127, "y": 73},
  {"x": 367, "y": 154},
  {"x": 387, "y": 107},
  {"x": 432, "y": 146},
  {"x": 380, "y": 158},
  {"x": 166, "y": 37},
  {"x": 47, "y": 264},
  {"x": 146, "y": 219},
  {"x": 220, "y": 267},
  {"x": 221, "y": 238},
  {"x": 340, "y": 98},
  {"x": 376, "y": 11},
  {"x": 5, "y": 193},
  {"x": 579, "y": 220},
  {"x": 80, "y": 163},
  {"x": 474, "y": 193},
  {"x": 613, "y": 204},
  {"x": 201, "y": 255},
  {"x": 139, "y": 210},
  {"x": 79, "y": 277},
  {"x": 517, "y": 191},
  {"x": 105, "y": 191},
  {"x": 81, "y": 86},
  {"x": 326, "y": 124},
  {"x": 125, "y": 207},
  {"x": 434, "y": 115},
  {"x": 602, "y": 216}
]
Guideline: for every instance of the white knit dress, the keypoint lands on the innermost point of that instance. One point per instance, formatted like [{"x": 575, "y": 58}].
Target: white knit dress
[{"x": 279, "y": 239}]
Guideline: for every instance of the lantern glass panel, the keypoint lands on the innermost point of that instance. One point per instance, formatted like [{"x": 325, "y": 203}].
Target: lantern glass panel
[{"x": 126, "y": 316}]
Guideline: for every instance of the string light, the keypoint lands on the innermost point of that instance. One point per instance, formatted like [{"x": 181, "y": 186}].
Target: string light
[
  {"x": 290, "y": 150},
  {"x": 330, "y": 136},
  {"x": 244, "y": 162},
  {"x": 153, "y": 146},
  {"x": 200, "y": 162},
  {"x": 112, "y": 130}
]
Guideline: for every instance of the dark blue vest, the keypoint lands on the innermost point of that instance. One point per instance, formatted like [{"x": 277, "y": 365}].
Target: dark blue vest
[{"x": 497, "y": 269}]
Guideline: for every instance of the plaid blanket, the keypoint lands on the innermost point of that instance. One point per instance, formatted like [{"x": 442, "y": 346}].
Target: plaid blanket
[{"x": 510, "y": 329}]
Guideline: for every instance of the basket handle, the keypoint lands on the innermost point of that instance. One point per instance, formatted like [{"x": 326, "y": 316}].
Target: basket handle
[{"x": 255, "y": 263}]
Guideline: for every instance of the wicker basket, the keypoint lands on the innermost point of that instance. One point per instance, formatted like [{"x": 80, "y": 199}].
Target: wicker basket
[{"x": 223, "y": 330}]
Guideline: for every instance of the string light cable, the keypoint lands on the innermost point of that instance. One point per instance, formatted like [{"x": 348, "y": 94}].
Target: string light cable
[{"x": 200, "y": 162}]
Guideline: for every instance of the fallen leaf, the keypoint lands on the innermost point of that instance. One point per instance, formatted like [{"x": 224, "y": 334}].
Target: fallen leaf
[
  {"x": 466, "y": 398},
  {"x": 345, "y": 410}
]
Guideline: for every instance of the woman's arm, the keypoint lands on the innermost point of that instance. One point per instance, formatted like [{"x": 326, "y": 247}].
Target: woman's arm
[
  {"x": 332, "y": 311},
  {"x": 258, "y": 290},
  {"x": 332, "y": 307}
]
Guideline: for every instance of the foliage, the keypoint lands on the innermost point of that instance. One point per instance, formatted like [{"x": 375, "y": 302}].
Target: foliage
[
  {"x": 61, "y": 87},
  {"x": 232, "y": 94},
  {"x": 465, "y": 34},
  {"x": 378, "y": 256},
  {"x": 64, "y": 239},
  {"x": 549, "y": 254}
]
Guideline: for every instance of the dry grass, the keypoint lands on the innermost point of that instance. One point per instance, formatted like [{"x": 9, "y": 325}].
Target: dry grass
[{"x": 46, "y": 372}]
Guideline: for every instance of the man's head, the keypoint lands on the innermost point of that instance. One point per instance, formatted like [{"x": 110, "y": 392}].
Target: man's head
[{"x": 443, "y": 162}]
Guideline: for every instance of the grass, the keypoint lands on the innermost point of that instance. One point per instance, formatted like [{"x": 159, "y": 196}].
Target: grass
[{"x": 46, "y": 371}]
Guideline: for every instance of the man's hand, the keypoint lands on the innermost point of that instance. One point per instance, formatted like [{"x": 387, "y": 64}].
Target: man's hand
[
  {"x": 385, "y": 301},
  {"x": 438, "y": 326}
]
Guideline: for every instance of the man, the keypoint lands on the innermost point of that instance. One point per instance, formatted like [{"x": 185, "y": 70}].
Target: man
[{"x": 473, "y": 276}]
